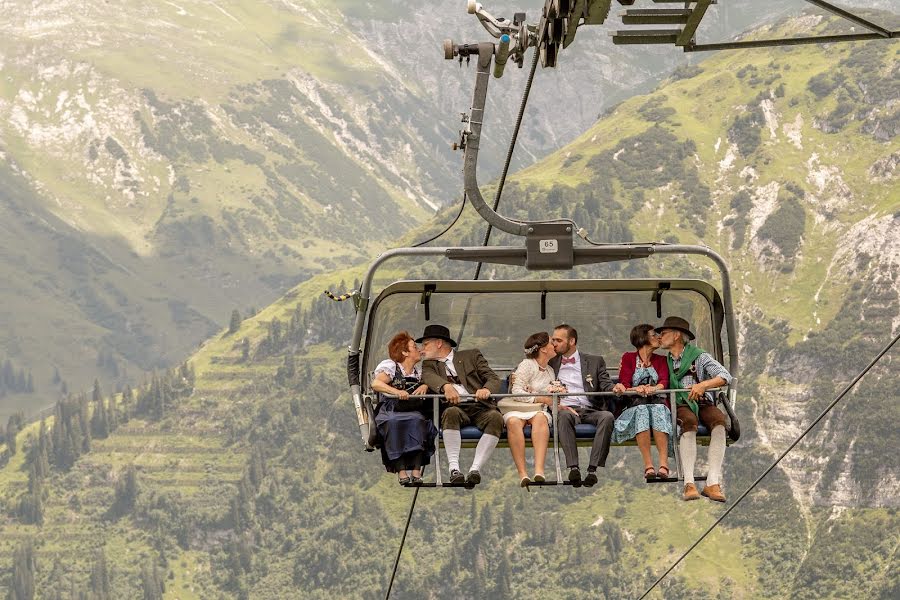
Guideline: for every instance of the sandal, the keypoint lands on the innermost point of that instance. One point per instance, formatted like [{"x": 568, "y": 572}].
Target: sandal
[
  {"x": 404, "y": 481},
  {"x": 649, "y": 473},
  {"x": 662, "y": 475}
]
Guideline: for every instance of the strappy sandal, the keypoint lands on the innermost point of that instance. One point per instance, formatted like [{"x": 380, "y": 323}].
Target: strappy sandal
[
  {"x": 404, "y": 481},
  {"x": 649, "y": 473},
  {"x": 660, "y": 474}
]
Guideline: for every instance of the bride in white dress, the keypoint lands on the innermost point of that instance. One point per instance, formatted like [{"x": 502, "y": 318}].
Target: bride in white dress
[{"x": 532, "y": 376}]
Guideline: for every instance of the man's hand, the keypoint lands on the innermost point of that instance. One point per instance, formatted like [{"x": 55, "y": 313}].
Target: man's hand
[
  {"x": 570, "y": 409},
  {"x": 618, "y": 389},
  {"x": 482, "y": 394},
  {"x": 451, "y": 394},
  {"x": 697, "y": 391}
]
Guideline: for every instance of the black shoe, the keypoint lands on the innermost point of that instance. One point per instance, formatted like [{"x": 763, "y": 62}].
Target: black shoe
[
  {"x": 456, "y": 476},
  {"x": 415, "y": 481},
  {"x": 591, "y": 479},
  {"x": 473, "y": 478},
  {"x": 404, "y": 481},
  {"x": 575, "y": 476}
]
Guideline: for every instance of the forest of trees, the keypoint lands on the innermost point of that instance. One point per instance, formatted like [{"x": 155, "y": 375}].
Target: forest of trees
[{"x": 15, "y": 381}]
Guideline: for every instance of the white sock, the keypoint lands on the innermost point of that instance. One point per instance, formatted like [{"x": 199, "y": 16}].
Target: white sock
[
  {"x": 716, "y": 455},
  {"x": 452, "y": 444},
  {"x": 483, "y": 450},
  {"x": 687, "y": 448}
]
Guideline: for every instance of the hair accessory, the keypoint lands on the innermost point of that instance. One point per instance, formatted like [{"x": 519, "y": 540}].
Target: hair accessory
[{"x": 532, "y": 349}]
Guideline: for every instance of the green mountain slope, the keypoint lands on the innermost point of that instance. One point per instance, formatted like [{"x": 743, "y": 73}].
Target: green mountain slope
[
  {"x": 221, "y": 142},
  {"x": 250, "y": 481}
]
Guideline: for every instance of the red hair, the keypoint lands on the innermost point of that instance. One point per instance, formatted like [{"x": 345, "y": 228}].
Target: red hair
[{"x": 398, "y": 345}]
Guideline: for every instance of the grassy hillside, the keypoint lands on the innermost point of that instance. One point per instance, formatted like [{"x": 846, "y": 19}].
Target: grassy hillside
[
  {"x": 234, "y": 144},
  {"x": 249, "y": 479}
]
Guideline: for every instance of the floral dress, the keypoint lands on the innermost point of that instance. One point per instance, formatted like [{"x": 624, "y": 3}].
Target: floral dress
[{"x": 643, "y": 416}]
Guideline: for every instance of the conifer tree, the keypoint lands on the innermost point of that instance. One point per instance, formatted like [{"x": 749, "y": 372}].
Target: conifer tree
[
  {"x": 151, "y": 582},
  {"x": 127, "y": 492},
  {"x": 235, "y": 323},
  {"x": 99, "y": 581},
  {"x": 12, "y": 430},
  {"x": 127, "y": 403},
  {"x": 99, "y": 418},
  {"x": 84, "y": 424},
  {"x": 22, "y": 584}
]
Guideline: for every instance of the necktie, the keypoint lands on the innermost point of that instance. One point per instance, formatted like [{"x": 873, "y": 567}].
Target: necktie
[
  {"x": 450, "y": 376},
  {"x": 568, "y": 361}
]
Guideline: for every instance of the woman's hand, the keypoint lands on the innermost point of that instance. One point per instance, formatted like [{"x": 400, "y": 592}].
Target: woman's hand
[
  {"x": 618, "y": 389},
  {"x": 402, "y": 394},
  {"x": 544, "y": 400},
  {"x": 422, "y": 389}
]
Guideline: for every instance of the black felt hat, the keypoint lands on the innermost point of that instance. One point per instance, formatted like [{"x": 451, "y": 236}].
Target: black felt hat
[
  {"x": 678, "y": 324},
  {"x": 437, "y": 332}
]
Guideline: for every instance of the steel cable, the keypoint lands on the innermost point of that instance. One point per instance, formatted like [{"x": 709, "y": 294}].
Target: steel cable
[{"x": 774, "y": 464}]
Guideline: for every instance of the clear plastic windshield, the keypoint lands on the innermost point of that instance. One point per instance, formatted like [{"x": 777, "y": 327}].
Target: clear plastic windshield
[{"x": 499, "y": 322}]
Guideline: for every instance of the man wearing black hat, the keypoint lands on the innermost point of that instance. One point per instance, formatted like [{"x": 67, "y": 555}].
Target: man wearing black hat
[
  {"x": 694, "y": 369},
  {"x": 452, "y": 373}
]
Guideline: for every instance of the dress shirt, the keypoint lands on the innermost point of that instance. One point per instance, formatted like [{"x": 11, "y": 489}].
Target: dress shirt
[
  {"x": 451, "y": 370},
  {"x": 570, "y": 376}
]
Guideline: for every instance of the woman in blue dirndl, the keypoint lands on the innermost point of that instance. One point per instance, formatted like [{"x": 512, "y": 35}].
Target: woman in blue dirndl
[
  {"x": 405, "y": 431},
  {"x": 646, "y": 373}
]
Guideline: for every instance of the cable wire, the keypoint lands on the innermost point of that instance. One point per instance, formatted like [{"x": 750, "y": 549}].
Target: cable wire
[
  {"x": 412, "y": 506},
  {"x": 462, "y": 205},
  {"x": 774, "y": 464}
]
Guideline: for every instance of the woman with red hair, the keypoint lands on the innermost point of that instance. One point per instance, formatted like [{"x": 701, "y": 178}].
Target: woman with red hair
[{"x": 406, "y": 434}]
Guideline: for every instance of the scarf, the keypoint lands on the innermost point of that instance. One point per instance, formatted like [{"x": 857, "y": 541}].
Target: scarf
[{"x": 690, "y": 354}]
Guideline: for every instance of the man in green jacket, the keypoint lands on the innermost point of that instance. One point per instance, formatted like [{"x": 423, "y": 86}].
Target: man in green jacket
[
  {"x": 694, "y": 369},
  {"x": 453, "y": 373}
]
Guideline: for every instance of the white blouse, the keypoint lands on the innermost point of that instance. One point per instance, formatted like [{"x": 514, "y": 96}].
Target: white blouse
[
  {"x": 531, "y": 378},
  {"x": 387, "y": 366}
]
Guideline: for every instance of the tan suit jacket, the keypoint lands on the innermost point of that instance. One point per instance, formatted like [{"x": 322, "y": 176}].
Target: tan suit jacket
[{"x": 472, "y": 368}]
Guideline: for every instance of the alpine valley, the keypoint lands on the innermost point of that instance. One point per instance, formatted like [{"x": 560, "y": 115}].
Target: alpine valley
[{"x": 175, "y": 163}]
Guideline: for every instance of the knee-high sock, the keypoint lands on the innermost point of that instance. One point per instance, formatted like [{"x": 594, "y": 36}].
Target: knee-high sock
[
  {"x": 716, "y": 455},
  {"x": 483, "y": 450},
  {"x": 452, "y": 444},
  {"x": 688, "y": 450}
]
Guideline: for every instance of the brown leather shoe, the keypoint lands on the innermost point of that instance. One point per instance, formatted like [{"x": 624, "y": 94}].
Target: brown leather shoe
[
  {"x": 714, "y": 492},
  {"x": 690, "y": 492}
]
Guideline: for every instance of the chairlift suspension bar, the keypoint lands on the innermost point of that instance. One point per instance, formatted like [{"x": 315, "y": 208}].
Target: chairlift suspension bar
[
  {"x": 845, "y": 14},
  {"x": 472, "y": 144},
  {"x": 690, "y": 28},
  {"x": 824, "y": 39}
]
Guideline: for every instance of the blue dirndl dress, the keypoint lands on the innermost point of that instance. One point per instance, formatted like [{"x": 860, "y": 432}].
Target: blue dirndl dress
[
  {"x": 644, "y": 412},
  {"x": 405, "y": 433}
]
